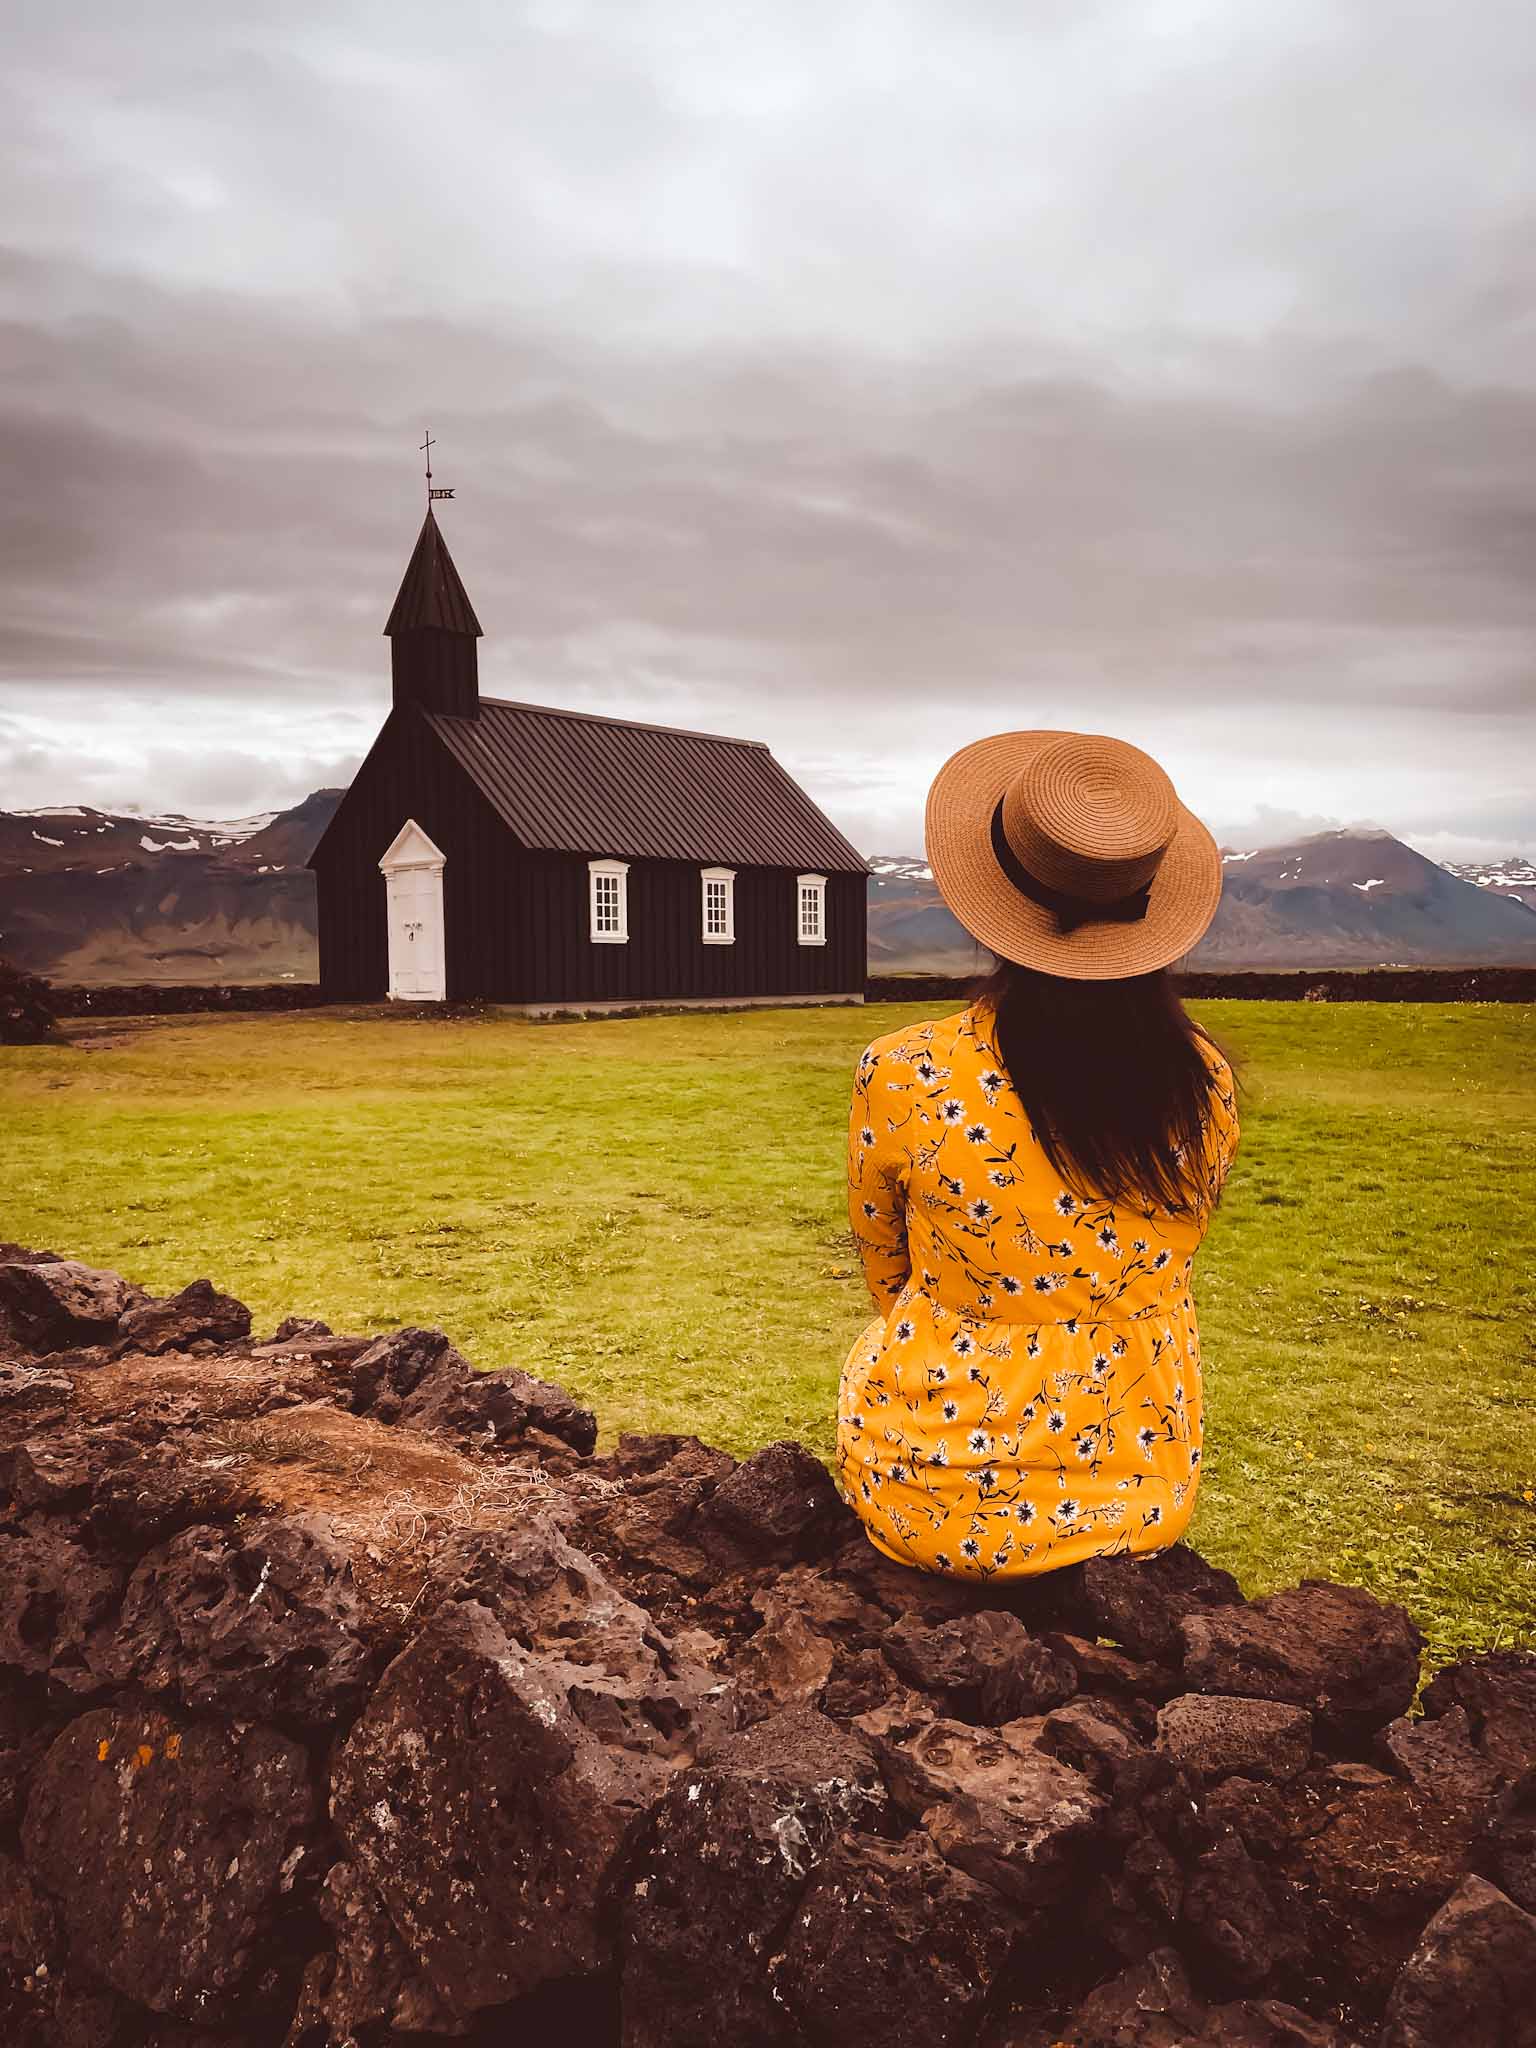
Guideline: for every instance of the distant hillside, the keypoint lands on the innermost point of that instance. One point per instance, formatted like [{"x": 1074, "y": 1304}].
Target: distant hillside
[
  {"x": 97, "y": 897},
  {"x": 1515, "y": 877},
  {"x": 105, "y": 896},
  {"x": 1341, "y": 899}
]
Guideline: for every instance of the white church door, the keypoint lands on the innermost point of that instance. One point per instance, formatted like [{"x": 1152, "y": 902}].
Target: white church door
[{"x": 413, "y": 888}]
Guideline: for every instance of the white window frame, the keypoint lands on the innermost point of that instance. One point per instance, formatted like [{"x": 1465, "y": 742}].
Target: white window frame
[
  {"x": 619, "y": 871},
  {"x": 813, "y": 933},
  {"x": 725, "y": 880}
]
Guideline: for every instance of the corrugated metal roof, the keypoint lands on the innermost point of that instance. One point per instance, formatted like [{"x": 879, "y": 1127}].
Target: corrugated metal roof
[
  {"x": 430, "y": 592},
  {"x": 568, "y": 782}
]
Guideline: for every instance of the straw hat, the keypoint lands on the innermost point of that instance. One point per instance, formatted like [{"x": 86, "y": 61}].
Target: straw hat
[{"x": 1070, "y": 852}]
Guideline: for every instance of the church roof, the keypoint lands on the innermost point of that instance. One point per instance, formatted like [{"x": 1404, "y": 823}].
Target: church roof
[
  {"x": 430, "y": 592},
  {"x": 568, "y": 782}
]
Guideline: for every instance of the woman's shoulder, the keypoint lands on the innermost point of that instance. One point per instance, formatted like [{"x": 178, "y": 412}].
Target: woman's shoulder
[{"x": 932, "y": 1041}]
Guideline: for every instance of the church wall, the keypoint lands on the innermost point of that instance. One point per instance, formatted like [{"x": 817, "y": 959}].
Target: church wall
[
  {"x": 409, "y": 774},
  {"x": 665, "y": 957}
]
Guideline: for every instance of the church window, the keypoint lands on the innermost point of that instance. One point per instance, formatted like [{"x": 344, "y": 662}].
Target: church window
[
  {"x": 811, "y": 899},
  {"x": 608, "y": 881},
  {"x": 719, "y": 906}
]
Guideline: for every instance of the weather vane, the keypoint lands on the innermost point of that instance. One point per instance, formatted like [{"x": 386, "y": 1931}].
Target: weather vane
[{"x": 432, "y": 490}]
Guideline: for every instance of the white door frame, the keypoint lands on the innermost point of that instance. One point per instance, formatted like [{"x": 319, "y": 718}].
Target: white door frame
[{"x": 412, "y": 868}]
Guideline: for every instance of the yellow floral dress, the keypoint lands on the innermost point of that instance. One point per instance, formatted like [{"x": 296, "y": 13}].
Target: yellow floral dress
[{"x": 1029, "y": 1394}]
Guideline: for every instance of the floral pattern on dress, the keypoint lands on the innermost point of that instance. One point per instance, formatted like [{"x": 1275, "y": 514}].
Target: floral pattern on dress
[{"x": 1029, "y": 1393}]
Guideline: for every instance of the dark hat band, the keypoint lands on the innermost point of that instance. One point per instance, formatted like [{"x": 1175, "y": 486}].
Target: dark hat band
[{"x": 1070, "y": 911}]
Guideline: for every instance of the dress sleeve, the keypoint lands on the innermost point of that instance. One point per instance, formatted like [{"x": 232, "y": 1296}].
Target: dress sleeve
[
  {"x": 877, "y": 1186},
  {"x": 1222, "y": 1125}
]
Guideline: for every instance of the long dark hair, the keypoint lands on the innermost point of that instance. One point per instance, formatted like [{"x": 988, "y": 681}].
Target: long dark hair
[{"x": 1112, "y": 1077}]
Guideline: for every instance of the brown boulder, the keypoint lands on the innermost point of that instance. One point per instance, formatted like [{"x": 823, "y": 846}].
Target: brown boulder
[
  {"x": 259, "y": 1622},
  {"x": 31, "y": 1396},
  {"x": 1498, "y": 1692},
  {"x": 1471, "y": 1980},
  {"x": 169, "y": 1846},
  {"x": 1101, "y": 1739},
  {"x": 198, "y": 1314},
  {"x": 1140, "y": 1601},
  {"x": 1236, "y": 1918},
  {"x": 58, "y": 1603},
  {"x": 889, "y": 1943},
  {"x": 1439, "y": 1757},
  {"x": 368, "y": 1981},
  {"x": 485, "y": 1813},
  {"x": 779, "y": 1505},
  {"x": 1214, "y": 1737},
  {"x": 717, "y": 1871},
  {"x": 980, "y": 1667},
  {"x": 995, "y": 1803},
  {"x": 62, "y": 1305},
  {"x": 1351, "y": 1659},
  {"x": 1380, "y": 1862}
]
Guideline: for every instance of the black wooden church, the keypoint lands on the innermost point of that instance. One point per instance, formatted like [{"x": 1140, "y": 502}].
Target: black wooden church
[{"x": 549, "y": 858}]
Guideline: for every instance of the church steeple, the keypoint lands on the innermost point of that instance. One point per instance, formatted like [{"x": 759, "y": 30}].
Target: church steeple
[{"x": 432, "y": 630}]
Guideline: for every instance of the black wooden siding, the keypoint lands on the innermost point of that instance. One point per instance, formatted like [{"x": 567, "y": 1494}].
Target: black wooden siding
[
  {"x": 408, "y": 775},
  {"x": 517, "y": 923}
]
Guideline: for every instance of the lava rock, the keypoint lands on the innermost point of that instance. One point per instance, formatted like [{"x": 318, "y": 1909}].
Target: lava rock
[
  {"x": 1507, "y": 1851},
  {"x": 719, "y": 1868},
  {"x": 40, "y": 1474},
  {"x": 154, "y": 1490},
  {"x": 1100, "y": 1739},
  {"x": 500, "y": 1407},
  {"x": 485, "y": 1814},
  {"x": 198, "y": 1314},
  {"x": 1351, "y": 1659},
  {"x": 258, "y": 1622},
  {"x": 292, "y": 1327},
  {"x": 28, "y": 1393},
  {"x": 780, "y": 1504},
  {"x": 1472, "y": 1978},
  {"x": 995, "y": 1803},
  {"x": 1368, "y": 1877},
  {"x": 1150, "y": 2005},
  {"x": 390, "y": 1370},
  {"x": 1214, "y": 1737},
  {"x": 1101, "y": 1669},
  {"x": 1252, "y": 1809},
  {"x": 26, "y": 1729},
  {"x": 1236, "y": 1919},
  {"x": 368, "y": 1981},
  {"x": 983, "y": 1666},
  {"x": 169, "y": 1846},
  {"x": 624, "y": 1678},
  {"x": 58, "y": 1603},
  {"x": 1439, "y": 1756},
  {"x": 1498, "y": 1691},
  {"x": 1140, "y": 1601},
  {"x": 891, "y": 1943},
  {"x": 63, "y": 1305}
]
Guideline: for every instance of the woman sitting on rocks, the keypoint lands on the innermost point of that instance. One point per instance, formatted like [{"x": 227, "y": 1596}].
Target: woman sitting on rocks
[{"x": 1029, "y": 1180}]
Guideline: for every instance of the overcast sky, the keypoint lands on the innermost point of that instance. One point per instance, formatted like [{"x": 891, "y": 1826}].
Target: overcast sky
[{"x": 861, "y": 378}]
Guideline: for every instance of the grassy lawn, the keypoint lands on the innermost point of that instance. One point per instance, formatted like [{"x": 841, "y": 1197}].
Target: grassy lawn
[{"x": 651, "y": 1211}]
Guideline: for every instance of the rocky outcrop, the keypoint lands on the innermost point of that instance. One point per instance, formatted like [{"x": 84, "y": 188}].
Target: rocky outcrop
[{"x": 347, "y": 1696}]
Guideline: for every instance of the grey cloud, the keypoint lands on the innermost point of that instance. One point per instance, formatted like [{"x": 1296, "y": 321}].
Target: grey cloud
[{"x": 859, "y": 380}]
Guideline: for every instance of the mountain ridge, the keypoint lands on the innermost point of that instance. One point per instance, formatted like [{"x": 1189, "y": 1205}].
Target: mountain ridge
[{"x": 97, "y": 897}]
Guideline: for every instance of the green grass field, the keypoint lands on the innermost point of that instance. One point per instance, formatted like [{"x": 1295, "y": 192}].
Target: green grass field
[{"x": 651, "y": 1210}]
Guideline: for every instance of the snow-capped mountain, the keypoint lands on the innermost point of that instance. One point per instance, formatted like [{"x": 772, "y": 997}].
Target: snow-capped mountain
[
  {"x": 1514, "y": 877},
  {"x": 131, "y": 895},
  {"x": 122, "y": 896},
  {"x": 1342, "y": 899}
]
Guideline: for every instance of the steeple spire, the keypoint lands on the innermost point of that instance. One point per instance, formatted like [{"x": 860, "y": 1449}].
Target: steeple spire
[{"x": 432, "y": 630}]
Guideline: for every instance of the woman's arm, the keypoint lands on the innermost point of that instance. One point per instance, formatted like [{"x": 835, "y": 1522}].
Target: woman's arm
[{"x": 877, "y": 1191}]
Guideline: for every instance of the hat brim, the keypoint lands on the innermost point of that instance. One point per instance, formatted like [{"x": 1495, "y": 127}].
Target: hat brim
[{"x": 966, "y": 791}]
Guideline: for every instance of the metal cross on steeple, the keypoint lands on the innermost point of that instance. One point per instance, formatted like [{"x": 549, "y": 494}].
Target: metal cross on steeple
[{"x": 432, "y": 492}]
